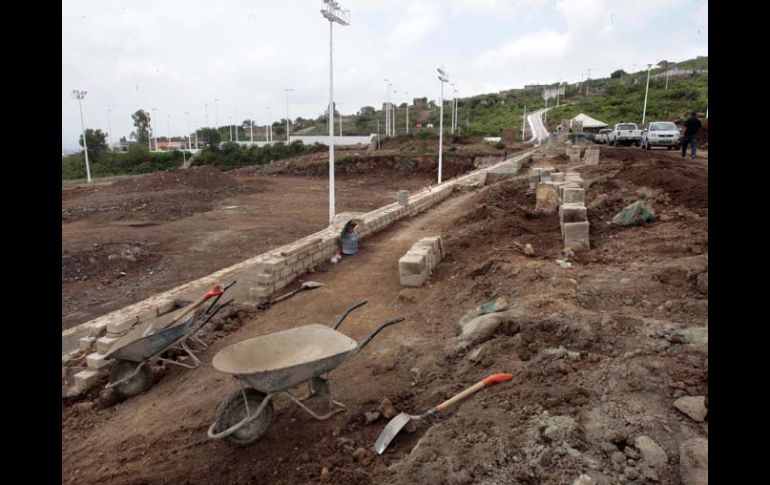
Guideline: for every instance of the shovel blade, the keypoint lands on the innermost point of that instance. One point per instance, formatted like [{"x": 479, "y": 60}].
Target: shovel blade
[{"x": 391, "y": 430}]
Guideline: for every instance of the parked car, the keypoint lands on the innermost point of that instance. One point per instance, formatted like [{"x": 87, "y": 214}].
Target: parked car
[
  {"x": 601, "y": 137},
  {"x": 625, "y": 134},
  {"x": 661, "y": 134}
]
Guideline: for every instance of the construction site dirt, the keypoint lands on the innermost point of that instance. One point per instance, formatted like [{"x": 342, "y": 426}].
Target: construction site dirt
[{"x": 599, "y": 350}]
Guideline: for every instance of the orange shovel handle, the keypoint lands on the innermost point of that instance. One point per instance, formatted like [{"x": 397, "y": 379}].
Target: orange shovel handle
[{"x": 489, "y": 381}]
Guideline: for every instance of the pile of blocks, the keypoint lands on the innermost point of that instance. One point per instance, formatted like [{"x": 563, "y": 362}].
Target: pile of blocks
[
  {"x": 573, "y": 218},
  {"x": 591, "y": 156},
  {"x": 418, "y": 263},
  {"x": 574, "y": 153}
]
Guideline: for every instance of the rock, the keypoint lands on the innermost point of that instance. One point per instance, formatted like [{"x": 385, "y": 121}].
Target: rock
[
  {"x": 386, "y": 409},
  {"x": 702, "y": 283},
  {"x": 694, "y": 461},
  {"x": 478, "y": 354},
  {"x": 407, "y": 295},
  {"x": 324, "y": 471},
  {"x": 693, "y": 406},
  {"x": 113, "y": 256},
  {"x": 651, "y": 452},
  {"x": 560, "y": 428},
  {"x": 631, "y": 453},
  {"x": 618, "y": 458},
  {"x": 693, "y": 335},
  {"x": 371, "y": 416},
  {"x": 360, "y": 454},
  {"x": 481, "y": 327},
  {"x": 584, "y": 480},
  {"x": 634, "y": 214},
  {"x": 631, "y": 473},
  {"x": 83, "y": 407},
  {"x": 649, "y": 474},
  {"x": 529, "y": 250},
  {"x": 497, "y": 305},
  {"x": 599, "y": 201},
  {"x": 546, "y": 199}
]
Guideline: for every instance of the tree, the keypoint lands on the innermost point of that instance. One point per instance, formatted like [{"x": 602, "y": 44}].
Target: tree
[
  {"x": 367, "y": 111},
  {"x": 618, "y": 74},
  {"x": 142, "y": 123},
  {"x": 210, "y": 136},
  {"x": 97, "y": 142}
]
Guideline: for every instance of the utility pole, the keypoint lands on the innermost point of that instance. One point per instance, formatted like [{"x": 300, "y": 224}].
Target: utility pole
[
  {"x": 80, "y": 95},
  {"x": 443, "y": 78},
  {"x": 288, "y": 90},
  {"x": 646, "y": 91},
  {"x": 452, "y": 121},
  {"x": 153, "y": 132},
  {"x": 195, "y": 123},
  {"x": 168, "y": 132},
  {"x": 251, "y": 127},
  {"x": 109, "y": 127},
  {"x": 189, "y": 133}
]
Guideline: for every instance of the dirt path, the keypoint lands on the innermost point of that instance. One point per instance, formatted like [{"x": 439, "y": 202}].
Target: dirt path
[{"x": 167, "y": 442}]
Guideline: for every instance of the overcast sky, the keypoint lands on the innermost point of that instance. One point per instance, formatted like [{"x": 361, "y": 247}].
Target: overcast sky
[{"x": 178, "y": 56}]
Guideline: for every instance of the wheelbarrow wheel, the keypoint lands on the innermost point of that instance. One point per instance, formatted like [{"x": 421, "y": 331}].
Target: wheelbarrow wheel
[
  {"x": 233, "y": 410},
  {"x": 135, "y": 385}
]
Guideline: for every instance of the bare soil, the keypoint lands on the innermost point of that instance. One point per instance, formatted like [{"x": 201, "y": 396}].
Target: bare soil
[{"x": 598, "y": 351}]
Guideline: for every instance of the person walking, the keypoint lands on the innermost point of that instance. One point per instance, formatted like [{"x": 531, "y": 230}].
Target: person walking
[{"x": 690, "y": 136}]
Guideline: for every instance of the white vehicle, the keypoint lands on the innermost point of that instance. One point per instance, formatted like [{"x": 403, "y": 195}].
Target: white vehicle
[
  {"x": 601, "y": 137},
  {"x": 661, "y": 134},
  {"x": 625, "y": 134}
]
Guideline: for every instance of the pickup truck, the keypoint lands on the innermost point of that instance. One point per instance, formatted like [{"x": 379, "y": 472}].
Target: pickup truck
[
  {"x": 625, "y": 134},
  {"x": 601, "y": 137}
]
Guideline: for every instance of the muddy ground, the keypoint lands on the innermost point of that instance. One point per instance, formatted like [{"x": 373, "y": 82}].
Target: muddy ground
[{"x": 599, "y": 351}]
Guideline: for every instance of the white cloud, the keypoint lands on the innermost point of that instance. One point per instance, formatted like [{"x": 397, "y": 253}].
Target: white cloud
[
  {"x": 541, "y": 45},
  {"x": 421, "y": 17}
]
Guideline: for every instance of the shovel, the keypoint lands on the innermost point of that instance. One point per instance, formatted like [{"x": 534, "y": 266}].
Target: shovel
[
  {"x": 307, "y": 285},
  {"x": 396, "y": 424}
]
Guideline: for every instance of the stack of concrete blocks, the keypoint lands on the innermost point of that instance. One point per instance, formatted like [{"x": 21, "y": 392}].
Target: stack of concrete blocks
[
  {"x": 591, "y": 156},
  {"x": 539, "y": 174},
  {"x": 258, "y": 277},
  {"x": 573, "y": 217},
  {"x": 574, "y": 152},
  {"x": 504, "y": 171},
  {"x": 418, "y": 263}
]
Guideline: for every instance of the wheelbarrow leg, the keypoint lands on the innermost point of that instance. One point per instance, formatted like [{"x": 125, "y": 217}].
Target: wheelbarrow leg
[
  {"x": 199, "y": 342},
  {"x": 319, "y": 386}
]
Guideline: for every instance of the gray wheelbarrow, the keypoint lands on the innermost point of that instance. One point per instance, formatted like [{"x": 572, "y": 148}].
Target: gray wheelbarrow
[
  {"x": 271, "y": 365},
  {"x": 131, "y": 374}
]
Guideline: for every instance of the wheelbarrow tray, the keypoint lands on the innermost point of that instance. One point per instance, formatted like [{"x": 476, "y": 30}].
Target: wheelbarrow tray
[
  {"x": 282, "y": 360},
  {"x": 144, "y": 348}
]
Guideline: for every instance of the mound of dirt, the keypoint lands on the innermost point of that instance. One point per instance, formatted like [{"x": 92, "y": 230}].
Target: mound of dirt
[
  {"x": 204, "y": 177},
  {"x": 685, "y": 182}
]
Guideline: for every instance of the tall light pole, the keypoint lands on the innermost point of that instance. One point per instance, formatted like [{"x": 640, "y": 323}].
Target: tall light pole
[
  {"x": 340, "y": 104},
  {"x": 230, "y": 126},
  {"x": 442, "y": 76},
  {"x": 251, "y": 127},
  {"x": 452, "y": 122},
  {"x": 333, "y": 12},
  {"x": 168, "y": 132},
  {"x": 393, "y": 113},
  {"x": 80, "y": 95},
  {"x": 195, "y": 124},
  {"x": 288, "y": 90},
  {"x": 235, "y": 113},
  {"x": 455, "y": 107},
  {"x": 154, "y": 110},
  {"x": 149, "y": 130},
  {"x": 189, "y": 133},
  {"x": 646, "y": 90},
  {"x": 216, "y": 112},
  {"x": 109, "y": 127},
  {"x": 407, "y": 112},
  {"x": 206, "y": 107}
]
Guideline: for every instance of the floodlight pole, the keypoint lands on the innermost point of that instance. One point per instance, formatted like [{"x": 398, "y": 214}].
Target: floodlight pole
[
  {"x": 80, "y": 95},
  {"x": 195, "y": 123},
  {"x": 646, "y": 91},
  {"x": 443, "y": 78},
  {"x": 251, "y": 127},
  {"x": 288, "y": 90},
  {"x": 189, "y": 133}
]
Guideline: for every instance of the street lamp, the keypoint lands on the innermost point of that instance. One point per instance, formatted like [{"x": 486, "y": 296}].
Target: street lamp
[
  {"x": 109, "y": 127},
  {"x": 189, "y": 133},
  {"x": 168, "y": 132},
  {"x": 251, "y": 126},
  {"x": 407, "y": 111},
  {"x": 195, "y": 124},
  {"x": 394, "y": 107},
  {"x": 455, "y": 106},
  {"x": 80, "y": 95},
  {"x": 442, "y": 76},
  {"x": 288, "y": 90},
  {"x": 153, "y": 131},
  {"x": 646, "y": 91},
  {"x": 334, "y": 12}
]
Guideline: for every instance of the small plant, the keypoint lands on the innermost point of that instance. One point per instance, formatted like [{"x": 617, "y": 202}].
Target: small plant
[{"x": 499, "y": 145}]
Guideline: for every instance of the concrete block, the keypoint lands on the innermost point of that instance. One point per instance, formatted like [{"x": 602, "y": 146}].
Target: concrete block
[
  {"x": 572, "y": 213},
  {"x": 557, "y": 177},
  {"x": 86, "y": 379},
  {"x": 104, "y": 344},
  {"x": 259, "y": 292},
  {"x": 120, "y": 327},
  {"x": 572, "y": 195},
  {"x": 403, "y": 198},
  {"x": 165, "y": 307},
  {"x": 413, "y": 280},
  {"x": 96, "y": 329},
  {"x": 545, "y": 177},
  {"x": 86, "y": 343},
  {"x": 96, "y": 361},
  {"x": 576, "y": 235}
]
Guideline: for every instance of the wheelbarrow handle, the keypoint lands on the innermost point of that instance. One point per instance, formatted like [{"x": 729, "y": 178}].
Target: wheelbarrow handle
[
  {"x": 377, "y": 330},
  {"x": 347, "y": 312}
]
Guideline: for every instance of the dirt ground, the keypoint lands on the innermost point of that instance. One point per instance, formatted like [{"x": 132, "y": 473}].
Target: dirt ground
[
  {"x": 124, "y": 242},
  {"x": 599, "y": 352}
]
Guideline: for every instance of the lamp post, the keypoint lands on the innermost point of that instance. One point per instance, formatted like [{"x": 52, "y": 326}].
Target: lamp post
[
  {"x": 109, "y": 127},
  {"x": 442, "y": 76},
  {"x": 333, "y": 12},
  {"x": 393, "y": 113},
  {"x": 154, "y": 110},
  {"x": 251, "y": 127},
  {"x": 168, "y": 132},
  {"x": 287, "y": 114},
  {"x": 646, "y": 91},
  {"x": 189, "y": 133},
  {"x": 80, "y": 95},
  {"x": 195, "y": 123}
]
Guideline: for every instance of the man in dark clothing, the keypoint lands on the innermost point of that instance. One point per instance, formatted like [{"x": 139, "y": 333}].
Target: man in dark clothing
[{"x": 690, "y": 137}]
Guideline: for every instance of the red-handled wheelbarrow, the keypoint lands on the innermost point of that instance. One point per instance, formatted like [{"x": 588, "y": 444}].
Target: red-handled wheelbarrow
[
  {"x": 131, "y": 374},
  {"x": 271, "y": 365}
]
